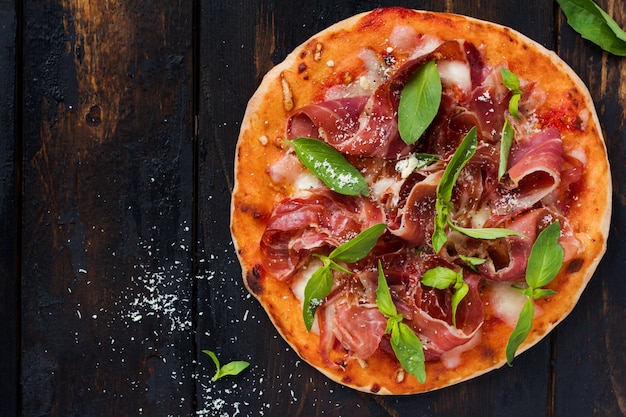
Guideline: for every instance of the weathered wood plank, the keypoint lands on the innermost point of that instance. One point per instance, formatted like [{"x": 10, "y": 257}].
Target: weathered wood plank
[
  {"x": 9, "y": 212},
  {"x": 106, "y": 302},
  {"x": 590, "y": 353}
]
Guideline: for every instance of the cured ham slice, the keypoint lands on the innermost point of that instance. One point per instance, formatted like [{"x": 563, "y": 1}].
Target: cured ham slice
[
  {"x": 534, "y": 168},
  {"x": 368, "y": 126},
  {"x": 299, "y": 225},
  {"x": 413, "y": 222}
]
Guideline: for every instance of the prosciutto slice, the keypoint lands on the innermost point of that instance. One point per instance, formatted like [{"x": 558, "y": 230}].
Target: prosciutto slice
[
  {"x": 413, "y": 221},
  {"x": 433, "y": 322},
  {"x": 535, "y": 166},
  {"x": 299, "y": 225},
  {"x": 368, "y": 126}
]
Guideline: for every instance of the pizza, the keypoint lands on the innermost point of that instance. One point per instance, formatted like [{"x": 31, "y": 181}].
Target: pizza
[{"x": 403, "y": 181}]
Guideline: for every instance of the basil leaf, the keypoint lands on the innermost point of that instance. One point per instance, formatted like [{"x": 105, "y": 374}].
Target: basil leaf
[
  {"x": 439, "y": 277},
  {"x": 471, "y": 261},
  {"x": 384, "y": 301},
  {"x": 521, "y": 331},
  {"x": 442, "y": 278},
  {"x": 463, "y": 153},
  {"x": 593, "y": 24},
  {"x": 419, "y": 102},
  {"x": 334, "y": 265},
  {"x": 538, "y": 293},
  {"x": 512, "y": 83},
  {"x": 505, "y": 146},
  {"x": 425, "y": 159},
  {"x": 358, "y": 247},
  {"x": 405, "y": 344},
  {"x": 514, "y": 105},
  {"x": 510, "y": 80},
  {"x": 546, "y": 257},
  {"x": 231, "y": 368},
  {"x": 486, "y": 233},
  {"x": 442, "y": 211},
  {"x": 318, "y": 287},
  {"x": 321, "y": 282},
  {"x": 216, "y": 361},
  {"x": 330, "y": 166},
  {"x": 458, "y": 296},
  {"x": 461, "y": 156},
  {"x": 409, "y": 351}
]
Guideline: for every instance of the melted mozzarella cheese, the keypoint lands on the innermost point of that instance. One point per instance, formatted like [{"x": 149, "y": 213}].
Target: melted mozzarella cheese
[
  {"x": 286, "y": 169},
  {"x": 306, "y": 181},
  {"x": 507, "y": 302},
  {"x": 407, "y": 166},
  {"x": 452, "y": 358},
  {"x": 455, "y": 73}
]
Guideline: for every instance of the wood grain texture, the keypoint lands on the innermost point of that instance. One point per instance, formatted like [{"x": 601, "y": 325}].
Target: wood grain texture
[
  {"x": 129, "y": 116},
  {"x": 106, "y": 295},
  {"x": 9, "y": 212}
]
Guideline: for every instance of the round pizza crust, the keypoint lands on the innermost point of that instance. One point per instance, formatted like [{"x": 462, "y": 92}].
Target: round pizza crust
[{"x": 324, "y": 60}]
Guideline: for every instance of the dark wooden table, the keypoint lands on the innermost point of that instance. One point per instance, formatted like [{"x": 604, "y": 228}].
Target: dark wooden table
[{"x": 117, "y": 135}]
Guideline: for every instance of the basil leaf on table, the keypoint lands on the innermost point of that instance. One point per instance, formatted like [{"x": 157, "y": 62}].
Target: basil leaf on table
[
  {"x": 321, "y": 282},
  {"x": 419, "y": 102},
  {"x": 595, "y": 25},
  {"x": 231, "y": 368},
  {"x": 544, "y": 263},
  {"x": 330, "y": 166}
]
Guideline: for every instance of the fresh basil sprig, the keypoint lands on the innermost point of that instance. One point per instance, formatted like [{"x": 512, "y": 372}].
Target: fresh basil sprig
[
  {"x": 544, "y": 262},
  {"x": 506, "y": 140},
  {"x": 404, "y": 342},
  {"x": 512, "y": 83},
  {"x": 231, "y": 368},
  {"x": 595, "y": 25},
  {"x": 330, "y": 166},
  {"x": 321, "y": 282},
  {"x": 442, "y": 278},
  {"x": 443, "y": 201},
  {"x": 419, "y": 102}
]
